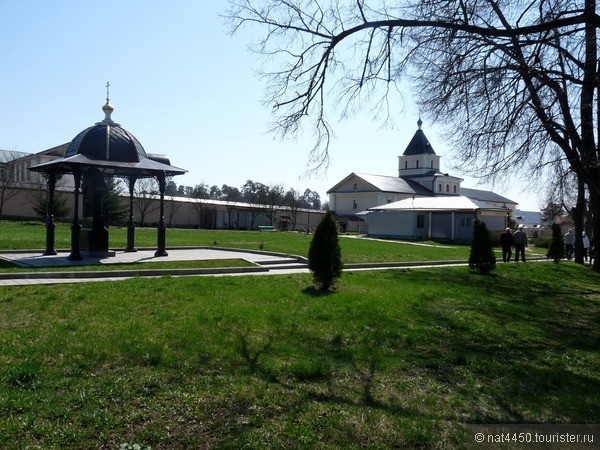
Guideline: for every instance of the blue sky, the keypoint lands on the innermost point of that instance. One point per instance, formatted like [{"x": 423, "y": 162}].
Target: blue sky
[{"x": 183, "y": 87}]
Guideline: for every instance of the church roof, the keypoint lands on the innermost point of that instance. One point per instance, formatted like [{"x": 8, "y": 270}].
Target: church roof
[
  {"x": 385, "y": 183},
  {"x": 485, "y": 196},
  {"x": 419, "y": 144},
  {"x": 441, "y": 203}
]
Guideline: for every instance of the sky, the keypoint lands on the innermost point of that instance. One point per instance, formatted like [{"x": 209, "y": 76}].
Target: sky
[{"x": 185, "y": 88}]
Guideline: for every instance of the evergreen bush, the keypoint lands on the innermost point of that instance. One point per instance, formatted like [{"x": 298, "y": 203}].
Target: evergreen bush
[
  {"x": 482, "y": 255},
  {"x": 324, "y": 254},
  {"x": 556, "y": 250}
]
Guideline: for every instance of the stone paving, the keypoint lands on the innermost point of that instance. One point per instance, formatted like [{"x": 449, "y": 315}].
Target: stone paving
[
  {"x": 36, "y": 259},
  {"x": 263, "y": 263}
]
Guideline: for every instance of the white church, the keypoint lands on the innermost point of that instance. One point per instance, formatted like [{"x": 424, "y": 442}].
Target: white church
[{"x": 420, "y": 203}]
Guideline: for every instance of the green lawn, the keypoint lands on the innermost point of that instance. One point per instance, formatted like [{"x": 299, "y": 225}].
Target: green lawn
[
  {"x": 397, "y": 358},
  {"x": 31, "y": 235}
]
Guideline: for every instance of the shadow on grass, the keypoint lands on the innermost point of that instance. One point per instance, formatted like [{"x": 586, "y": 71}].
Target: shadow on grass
[
  {"x": 515, "y": 349},
  {"x": 316, "y": 293},
  {"x": 521, "y": 341}
]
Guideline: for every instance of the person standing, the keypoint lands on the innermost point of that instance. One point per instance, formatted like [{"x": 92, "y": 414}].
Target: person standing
[
  {"x": 506, "y": 242},
  {"x": 569, "y": 243},
  {"x": 520, "y": 242},
  {"x": 586, "y": 245}
]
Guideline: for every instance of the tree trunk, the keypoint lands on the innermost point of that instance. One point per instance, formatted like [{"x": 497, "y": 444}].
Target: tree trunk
[
  {"x": 595, "y": 208},
  {"x": 578, "y": 214}
]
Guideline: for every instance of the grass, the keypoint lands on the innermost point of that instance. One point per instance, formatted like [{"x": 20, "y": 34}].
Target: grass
[
  {"x": 28, "y": 235},
  {"x": 390, "y": 359}
]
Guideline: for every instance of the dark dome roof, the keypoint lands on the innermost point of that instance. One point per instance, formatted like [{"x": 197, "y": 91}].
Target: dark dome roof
[
  {"x": 419, "y": 144},
  {"x": 108, "y": 143},
  {"x": 112, "y": 149}
]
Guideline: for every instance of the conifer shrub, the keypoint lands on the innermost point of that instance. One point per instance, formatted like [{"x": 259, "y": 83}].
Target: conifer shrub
[
  {"x": 324, "y": 254},
  {"x": 482, "y": 255},
  {"x": 556, "y": 250}
]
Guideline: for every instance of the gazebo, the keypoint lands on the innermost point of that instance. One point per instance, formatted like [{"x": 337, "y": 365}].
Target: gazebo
[{"x": 103, "y": 150}]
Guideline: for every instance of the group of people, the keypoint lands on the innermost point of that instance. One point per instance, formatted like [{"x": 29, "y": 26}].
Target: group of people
[
  {"x": 518, "y": 240},
  {"x": 588, "y": 246}
]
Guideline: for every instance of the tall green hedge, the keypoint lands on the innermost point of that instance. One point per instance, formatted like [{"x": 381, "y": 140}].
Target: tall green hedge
[
  {"x": 324, "y": 254},
  {"x": 482, "y": 255}
]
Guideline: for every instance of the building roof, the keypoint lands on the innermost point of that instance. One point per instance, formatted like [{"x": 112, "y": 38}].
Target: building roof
[
  {"x": 441, "y": 203},
  {"x": 419, "y": 144},
  {"x": 434, "y": 173},
  {"x": 486, "y": 196},
  {"x": 10, "y": 155},
  {"x": 530, "y": 218},
  {"x": 385, "y": 183},
  {"x": 57, "y": 151}
]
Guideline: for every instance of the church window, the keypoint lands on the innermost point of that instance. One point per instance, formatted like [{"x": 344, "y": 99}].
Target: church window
[
  {"x": 447, "y": 188},
  {"x": 355, "y": 186},
  {"x": 417, "y": 163},
  {"x": 432, "y": 164},
  {"x": 354, "y": 204},
  {"x": 440, "y": 187},
  {"x": 406, "y": 164},
  {"x": 454, "y": 189}
]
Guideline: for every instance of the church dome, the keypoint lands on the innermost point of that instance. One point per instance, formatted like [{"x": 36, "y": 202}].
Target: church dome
[
  {"x": 107, "y": 141},
  {"x": 419, "y": 144}
]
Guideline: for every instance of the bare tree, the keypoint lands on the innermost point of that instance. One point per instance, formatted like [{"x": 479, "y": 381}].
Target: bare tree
[
  {"x": 201, "y": 192},
  {"x": 172, "y": 207},
  {"x": 145, "y": 197},
  {"x": 569, "y": 193},
  {"x": 517, "y": 83},
  {"x": 257, "y": 195},
  {"x": 293, "y": 200},
  {"x": 8, "y": 186},
  {"x": 274, "y": 199}
]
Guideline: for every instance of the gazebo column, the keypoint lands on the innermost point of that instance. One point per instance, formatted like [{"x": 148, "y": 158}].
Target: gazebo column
[
  {"x": 51, "y": 182},
  {"x": 76, "y": 226},
  {"x": 131, "y": 223},
  {"x": 161, "y": 229}
]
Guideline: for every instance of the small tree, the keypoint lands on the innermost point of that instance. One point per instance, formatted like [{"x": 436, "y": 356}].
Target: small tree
[
  {"x": 324, "y": 255},
  {"x": 60, "y": 203},
  {"x": 556, "y": 250},
  {"x": 113, "y": 209},
  {"x": 482, "y": 254}
]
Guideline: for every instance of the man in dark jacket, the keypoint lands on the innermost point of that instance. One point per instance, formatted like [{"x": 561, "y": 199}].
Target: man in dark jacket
[
  {"x": 506, "y": 242},
  {"x": 520, "y": 240}
]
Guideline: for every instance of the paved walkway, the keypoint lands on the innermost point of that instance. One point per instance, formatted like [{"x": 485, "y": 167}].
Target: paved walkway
[{"x": 262, "y": 263}]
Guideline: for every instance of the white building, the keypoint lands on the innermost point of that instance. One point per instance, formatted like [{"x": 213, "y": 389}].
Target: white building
[{"x": 420, "y": 203}]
